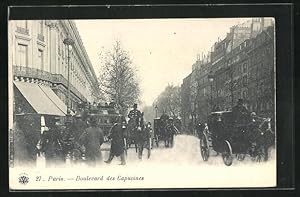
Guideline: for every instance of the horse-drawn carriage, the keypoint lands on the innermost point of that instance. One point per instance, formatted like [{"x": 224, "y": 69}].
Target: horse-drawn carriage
[
  {"x": 165, "y": 129},
  {"x": 135, "y": 131},
  {"x": 139, "y": 135},
  {"x": 221, "y": 133}
]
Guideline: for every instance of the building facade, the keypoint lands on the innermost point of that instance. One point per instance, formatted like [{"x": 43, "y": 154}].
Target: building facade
[
  {"x": 37, "y": 54},
  {"x": 249, "y": 74},
  {"x": 185, "y": 102},
  {"x": 241, "y": 65}
]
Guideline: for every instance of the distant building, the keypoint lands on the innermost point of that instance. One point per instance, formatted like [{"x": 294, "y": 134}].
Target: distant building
[
  {"x": 204, "y": 92},
  {"x": 185, "y": 102},
  {"x": 240, "y": 66},
  {"x": 261, "y": 72},
  {"x": 249, "y": 74}
]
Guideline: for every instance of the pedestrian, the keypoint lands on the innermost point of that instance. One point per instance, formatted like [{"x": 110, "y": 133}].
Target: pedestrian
[
  {"x": 78, "y": 126},
  {"x": 92, "y": 139},
  {"x": 77, "y": 129},
  {"x": 25, "y": 139},
  {"x": 117, "y": 142},
  {"x": 240, "y": 113},
  {"x": 150, "y": 134},
  {"x": 51, "y": 142}
]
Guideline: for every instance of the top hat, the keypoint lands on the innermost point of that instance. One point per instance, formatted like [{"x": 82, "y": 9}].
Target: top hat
[{"x": 240, "y": 101}]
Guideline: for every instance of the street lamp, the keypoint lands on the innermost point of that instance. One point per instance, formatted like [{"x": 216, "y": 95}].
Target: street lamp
[
  {"x": 211, "y": 80},
  {"x": 69, "y": 42}
]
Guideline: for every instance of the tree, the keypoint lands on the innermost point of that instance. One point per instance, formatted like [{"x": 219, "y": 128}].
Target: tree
[
  {"x": 169, "y": 101},
  {"x": 118, "y": 79},
  {"x": 149, "y": 113}
]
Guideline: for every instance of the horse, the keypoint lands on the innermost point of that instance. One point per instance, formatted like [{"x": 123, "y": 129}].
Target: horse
[
  {"x": 168, "y": 131},
  {"x": 131, "y": 133},
  {"x": 139, "y": 135},
  {"x": 143, "y": 137},
  {"x": 262, "y": 138},
  {"x": 135, "y": 133}
]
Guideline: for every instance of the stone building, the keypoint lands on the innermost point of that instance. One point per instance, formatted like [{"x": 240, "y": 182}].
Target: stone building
[
  {"x": 248, "y": 74},
  {"x": 261, "y": 72},
  {"x": 185, "y": 102},
  {"x": 38, "y": 64},
  {"x": 204, "y": 91},
  {"x": 239, "y": 66}
]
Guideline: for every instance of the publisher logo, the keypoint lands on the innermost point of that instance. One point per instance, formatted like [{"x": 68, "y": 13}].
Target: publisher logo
[{"x": 23, "y": 179}]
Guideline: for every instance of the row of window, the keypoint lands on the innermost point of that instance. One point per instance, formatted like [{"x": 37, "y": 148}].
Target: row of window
[
  {"x": 22, "y": 27},
  {"x": 22, "y": 56},
  {"x": 22, "y": 60}
]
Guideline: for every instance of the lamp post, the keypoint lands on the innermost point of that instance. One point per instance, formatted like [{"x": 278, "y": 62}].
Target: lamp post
[
  {"x": 211, "y": 80},
  {"x": 69, "y": 42},
  {"x": 156, "y": 108}
]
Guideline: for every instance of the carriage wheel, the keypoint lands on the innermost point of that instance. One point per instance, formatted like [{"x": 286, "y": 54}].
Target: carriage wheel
[
  {"x": 265, "y": 155},
  {"x": 204, "y": 149},
  {"x": 171, "y": 141},
  {"x": 156, "y": 141},
  {"x": 149, "y": 153},
  {"x": 240, "y": 156},
  {"x": 227, "y": 154},
  {"x": 262, "y": 155},
  {"x": 227, "y": 158},
  {"x": 149, "y": 147}
]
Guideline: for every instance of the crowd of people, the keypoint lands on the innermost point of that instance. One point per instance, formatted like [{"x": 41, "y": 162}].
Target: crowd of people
[{"x": 78, "y": 138}]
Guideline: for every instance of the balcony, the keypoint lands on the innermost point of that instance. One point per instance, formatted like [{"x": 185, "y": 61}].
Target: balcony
[
  {"x": 58, "y": 78},
  {"x": 33, "y": 73},
  {"x": 22, "y": 30},
  {"x": 40, "y": 37}
]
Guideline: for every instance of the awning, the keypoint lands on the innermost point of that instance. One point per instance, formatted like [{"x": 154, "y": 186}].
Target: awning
[
  {"x": 39, "y": 100},
  {"x": 55, "y": 99}
]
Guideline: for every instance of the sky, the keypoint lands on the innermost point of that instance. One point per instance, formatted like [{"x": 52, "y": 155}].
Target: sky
[{"x": 163, "y": 50}]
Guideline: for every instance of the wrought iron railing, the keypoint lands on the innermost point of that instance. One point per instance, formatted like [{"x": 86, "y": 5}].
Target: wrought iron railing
[
  {"x": 33, "y": 73},
  {"x": 23, "y": 30}
]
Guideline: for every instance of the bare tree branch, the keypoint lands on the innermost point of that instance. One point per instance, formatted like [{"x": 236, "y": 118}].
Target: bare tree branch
[{"x": 118, "y": 78}]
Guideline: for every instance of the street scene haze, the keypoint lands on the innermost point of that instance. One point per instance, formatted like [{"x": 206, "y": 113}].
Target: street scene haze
[{"x": 173, "y": 96}]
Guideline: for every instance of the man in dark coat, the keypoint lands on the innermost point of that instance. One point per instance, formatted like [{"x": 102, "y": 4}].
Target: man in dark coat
[
  {"x": 240, "y": 113},
  {"x": 241, "y": 118},
  {"x": 52, "y": 144},
  {"x": 25, "y": 139},
  {"x": 135, "y": 112},
  {"x": 92, "y": 138},
  {"x": 171, "y": 130},
  {"x": 117, "y": 143},
  {"x": 78, "y": 127}
]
